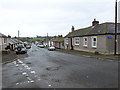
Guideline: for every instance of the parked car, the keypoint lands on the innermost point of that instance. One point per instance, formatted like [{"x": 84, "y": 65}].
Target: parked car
[
  {"x": 20, "y": 49},
  {"x": 41, "y": 46},
  {"x": 28, "y": 46},
  {"x": 8, "y": 47},
  {"x": 50, "y": 48}
]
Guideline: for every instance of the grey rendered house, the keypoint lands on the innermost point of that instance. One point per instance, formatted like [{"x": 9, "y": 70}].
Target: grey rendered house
[
  {"x": 3, "y": 41},
  {"x": 96, "y": 38}
]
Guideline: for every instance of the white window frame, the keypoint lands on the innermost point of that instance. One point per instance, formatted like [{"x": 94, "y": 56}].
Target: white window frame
[
  {"x": 94, "y": 42},
  {"x": 66, "y": 40},
  {"x": 77, "y": 39},
  {"x": 85, "y": 41}
]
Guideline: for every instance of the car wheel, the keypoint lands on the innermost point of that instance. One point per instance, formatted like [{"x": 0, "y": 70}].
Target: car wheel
[{"x": 16, "y": 52}]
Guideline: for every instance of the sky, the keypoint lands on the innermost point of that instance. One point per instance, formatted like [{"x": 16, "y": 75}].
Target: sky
[{"x": 55, "y": 17}]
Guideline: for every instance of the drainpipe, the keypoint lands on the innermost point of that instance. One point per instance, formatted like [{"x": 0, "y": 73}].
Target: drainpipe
[{"x": 115, "y": 51}]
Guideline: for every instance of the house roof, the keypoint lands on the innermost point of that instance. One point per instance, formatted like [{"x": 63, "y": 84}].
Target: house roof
[
  {"x": 2, "y": 35},
  {"x": 104, "y": 28},
  {"x": 12, "y": 41},
  {"x": 59, "y": 39}
]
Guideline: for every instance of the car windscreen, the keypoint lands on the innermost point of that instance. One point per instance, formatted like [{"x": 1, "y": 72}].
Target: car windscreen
[{"x": 20, "y": 46}]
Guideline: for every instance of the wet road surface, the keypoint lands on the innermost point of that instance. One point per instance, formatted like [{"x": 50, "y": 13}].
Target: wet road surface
[{"x": 52, "y": 69}]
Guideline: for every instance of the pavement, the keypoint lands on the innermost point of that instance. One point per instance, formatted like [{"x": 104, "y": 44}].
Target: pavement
[
  {"x": 53, "y": 69},
  {"x": 90, "y": 54}
]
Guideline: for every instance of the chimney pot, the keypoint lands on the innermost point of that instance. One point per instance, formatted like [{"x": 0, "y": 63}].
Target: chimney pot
[
  {"x": 95, "y": 22},
  {"x": 73, "y": 28}
]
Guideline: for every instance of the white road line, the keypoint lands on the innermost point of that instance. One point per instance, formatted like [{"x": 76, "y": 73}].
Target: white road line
[
  {"x": 49, "y": 85},
  {"x": 29, "y": 78},
  {"x": 20, "y": 62},
  {"x": 17, "y": 83},
  {"x": 17, "y": 65},
  {"x": 24, "y": 73},
  {"x": 26, "y": 66},
  {"x": 23, "y": 64},
  {"x": 14, "y": 62},
  {"x": 31, "y": 81},
  {"x": 32, "y": 72}
]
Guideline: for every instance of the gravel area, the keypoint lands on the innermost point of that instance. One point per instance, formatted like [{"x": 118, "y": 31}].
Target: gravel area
[{"x": 11, "y": 56}]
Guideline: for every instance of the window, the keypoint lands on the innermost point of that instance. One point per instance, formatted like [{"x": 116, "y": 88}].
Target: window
[
  {"x": 5, "y": 40},
  {"x": 66, "y": 40},
  {"x": 76, "y": 40},
  {"x": 94, "y": 41},
  {"x": 85, "y": 41}
]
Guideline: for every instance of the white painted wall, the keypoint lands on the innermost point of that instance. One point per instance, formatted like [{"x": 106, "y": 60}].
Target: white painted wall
[
  {"x": 119, "y": 12},
  {"x": 0, "y": 43}
]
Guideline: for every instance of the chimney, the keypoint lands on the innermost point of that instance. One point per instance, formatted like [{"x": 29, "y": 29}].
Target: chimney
[
  {"x": 9, "y": 36},
  {"x": 95, "y": 22},
  {"x": 73, "y": 28}
]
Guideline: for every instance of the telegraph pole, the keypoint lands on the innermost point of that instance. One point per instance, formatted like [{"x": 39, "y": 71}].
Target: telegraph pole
[
  {"x": 47, "y": 40},
  {"x": 115, "y": 51},
  {"x": 18, "y": 36}
]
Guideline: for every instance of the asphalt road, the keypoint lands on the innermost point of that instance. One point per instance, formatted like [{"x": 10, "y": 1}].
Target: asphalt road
[{"x": 52, "y": 69}]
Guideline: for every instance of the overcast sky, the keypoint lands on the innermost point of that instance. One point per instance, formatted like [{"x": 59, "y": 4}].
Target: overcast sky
[{"x": 39, "y": 17}]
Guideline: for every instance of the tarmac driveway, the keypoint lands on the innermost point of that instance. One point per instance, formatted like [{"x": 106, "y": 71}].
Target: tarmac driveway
[{"x": 52, "y": 69}]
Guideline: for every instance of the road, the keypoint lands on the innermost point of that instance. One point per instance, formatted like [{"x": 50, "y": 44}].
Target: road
[{"x": 52, "y": 69}]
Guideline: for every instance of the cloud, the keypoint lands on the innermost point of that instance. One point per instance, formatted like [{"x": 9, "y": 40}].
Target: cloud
[{"x": 39, "y": 17}]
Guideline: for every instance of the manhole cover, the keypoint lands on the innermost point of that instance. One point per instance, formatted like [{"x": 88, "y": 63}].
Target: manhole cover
[{"x": 53, "y": 68}]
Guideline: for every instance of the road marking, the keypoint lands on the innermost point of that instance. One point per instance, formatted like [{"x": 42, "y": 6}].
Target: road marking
[
  {"x": 31, "y": 81},
  {"x": 32, "y": 72},
  {"x": 17, "y": 83},
  {"x": 17, "y": 65},
  {"x": 14, "y": 62},
  {"x": 29, "y": 78},
  {"x": 28, "y": 68},
  {"x": 49, "y": 85},
  {"x": 23, "y": 64},
  {"x": 20, "y": 62},
  {"x": 24, "y": 73}
]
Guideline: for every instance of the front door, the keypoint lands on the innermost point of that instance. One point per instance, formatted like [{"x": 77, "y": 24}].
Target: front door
[{"x": 71, "y": 44}]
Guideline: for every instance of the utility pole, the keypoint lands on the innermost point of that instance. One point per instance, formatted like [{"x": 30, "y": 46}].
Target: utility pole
[
  {"x": 47, "y": 40},
  {"x": 18, "y": 36},
  {"x": 115, "y": 51}
]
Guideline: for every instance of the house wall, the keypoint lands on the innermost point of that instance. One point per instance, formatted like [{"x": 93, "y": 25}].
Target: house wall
[
  {"x": 0, "y": 43},
  {"x": 3, "y": 44},
  {"x": 105, "y": 45},
  {"x": 67, "y": 45},
  {"x": 101, "y": 44},
  {"x": 111, "y": 44},
  {"x": 58, "y": 45},
  {"x": 119, "y": 12}
]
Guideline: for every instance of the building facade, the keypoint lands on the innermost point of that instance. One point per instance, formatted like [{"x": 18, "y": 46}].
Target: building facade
[
  {"x": 119, "y": 12},
  {"x": 3, "y": 41},
  {"x": 58, "y": 42},
  {"x": 96, "y": 38}
]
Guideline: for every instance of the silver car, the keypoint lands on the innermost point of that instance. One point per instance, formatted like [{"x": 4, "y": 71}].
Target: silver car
[
  {"x": 21, "y": 49},
  {"x": 50, "y": 48}
]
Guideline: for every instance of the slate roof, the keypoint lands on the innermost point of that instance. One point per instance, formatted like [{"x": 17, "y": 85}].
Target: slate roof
[
  {"x": 11, "y": 41},
  {"x": 2, "y": 35},
  {"x": 99, "y": 29}
]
